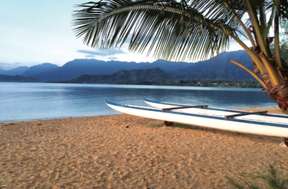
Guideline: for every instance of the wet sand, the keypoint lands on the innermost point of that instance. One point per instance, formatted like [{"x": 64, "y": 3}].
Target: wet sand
[{"x": 129, "y": 152}]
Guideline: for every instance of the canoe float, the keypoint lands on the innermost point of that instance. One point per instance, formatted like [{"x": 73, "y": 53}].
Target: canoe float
[
  {"x": 260, "y": 116},
  {"x": 257, "y": 123}
]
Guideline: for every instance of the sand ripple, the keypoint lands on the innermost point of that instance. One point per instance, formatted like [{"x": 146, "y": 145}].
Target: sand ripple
[{"x": 128, "y": 152}]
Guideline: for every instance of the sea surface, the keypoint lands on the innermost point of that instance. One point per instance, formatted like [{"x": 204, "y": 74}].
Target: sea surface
[{"x": 30, "y": 101}]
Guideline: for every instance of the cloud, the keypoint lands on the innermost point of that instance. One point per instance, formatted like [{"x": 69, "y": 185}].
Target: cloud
[
  {"x": 115, "y": 54},
  {"x": 100, "y": 52}
]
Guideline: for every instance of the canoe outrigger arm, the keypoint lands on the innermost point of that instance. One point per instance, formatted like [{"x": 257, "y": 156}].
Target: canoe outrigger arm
[
  {"x": 246, "y": 113},
  {"x": 184, "y": 107}
]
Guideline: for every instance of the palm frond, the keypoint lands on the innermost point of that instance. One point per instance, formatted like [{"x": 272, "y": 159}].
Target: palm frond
[{"x": 166, "y": 29}]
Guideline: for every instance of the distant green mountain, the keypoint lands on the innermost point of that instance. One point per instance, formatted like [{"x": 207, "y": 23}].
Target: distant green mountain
[
  {"x": 141, "y": 76},
  {"x": 14, "y": 71},
  {"x": 37, "y": 70},
  {"x": 88, "y": 70},
  {"x": 155, "y": 76},
  {"x": 17, "y": 78}
]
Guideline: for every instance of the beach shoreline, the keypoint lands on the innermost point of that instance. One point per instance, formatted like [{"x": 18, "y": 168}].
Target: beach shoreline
[
  {"x": 271, "y": 109},
  {"x": 121, "y": 151}
]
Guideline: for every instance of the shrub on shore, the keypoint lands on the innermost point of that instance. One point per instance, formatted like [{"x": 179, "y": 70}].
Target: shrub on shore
[{"x": 271, "y": 179}]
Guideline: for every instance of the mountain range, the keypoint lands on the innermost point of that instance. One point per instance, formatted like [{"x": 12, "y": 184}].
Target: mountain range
[{"x": 91, "y": 70}]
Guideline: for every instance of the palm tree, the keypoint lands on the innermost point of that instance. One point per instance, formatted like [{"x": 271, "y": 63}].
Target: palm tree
[{"x": 193, "y": 29}]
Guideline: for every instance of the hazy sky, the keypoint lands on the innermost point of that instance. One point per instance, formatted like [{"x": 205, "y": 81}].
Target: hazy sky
[{"x": 37, "y": 31}]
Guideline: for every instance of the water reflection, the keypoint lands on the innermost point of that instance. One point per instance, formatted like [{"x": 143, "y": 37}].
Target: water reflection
[{"x": 25, "y": 101}]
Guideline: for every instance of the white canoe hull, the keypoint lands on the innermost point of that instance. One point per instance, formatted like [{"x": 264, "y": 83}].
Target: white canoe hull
[
  {"x": 214, "y": 122},
  {"x": 266, "y": 118}
]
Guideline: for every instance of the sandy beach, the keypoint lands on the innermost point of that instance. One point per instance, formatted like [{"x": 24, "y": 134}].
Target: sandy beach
[{"x": 129, "y": 152}]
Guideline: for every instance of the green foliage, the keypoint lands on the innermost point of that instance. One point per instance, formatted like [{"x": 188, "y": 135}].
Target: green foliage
[
  {"x": 271, "y": 179},
  {"x": 284, "y": 51},
  {"x": 284, "y": 40},
  {"x": 167, "y": 29},
  {"x": 175, "y": 30}
]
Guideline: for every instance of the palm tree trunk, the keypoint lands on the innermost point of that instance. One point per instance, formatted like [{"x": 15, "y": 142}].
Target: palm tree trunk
[
  {"x": 276, "y": 83},
  {"x": 280, "y": 95},
  {"x": 272, "y": 79}
]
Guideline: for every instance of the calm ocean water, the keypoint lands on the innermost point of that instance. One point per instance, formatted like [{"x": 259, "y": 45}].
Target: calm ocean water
[{"x": 27, "y": 101}]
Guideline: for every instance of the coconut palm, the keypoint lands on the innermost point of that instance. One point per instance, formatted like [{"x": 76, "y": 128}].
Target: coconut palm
[{"x": 193, "y": 29}]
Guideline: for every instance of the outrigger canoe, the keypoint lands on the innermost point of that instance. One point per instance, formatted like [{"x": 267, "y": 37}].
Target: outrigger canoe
[
  {"x": 259, "y": 116},
  {"x": 257, "y": 123}
]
